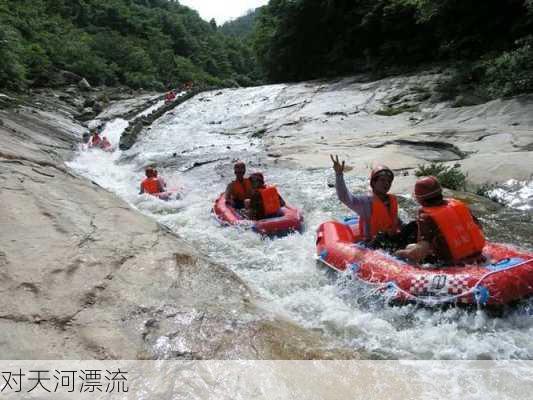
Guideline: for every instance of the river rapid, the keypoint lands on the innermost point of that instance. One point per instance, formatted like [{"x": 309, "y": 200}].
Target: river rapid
[{"x": 194, "y": 147}]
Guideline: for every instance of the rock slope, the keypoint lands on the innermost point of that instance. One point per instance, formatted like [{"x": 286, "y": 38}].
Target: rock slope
[{"x": 85, "y": 276}]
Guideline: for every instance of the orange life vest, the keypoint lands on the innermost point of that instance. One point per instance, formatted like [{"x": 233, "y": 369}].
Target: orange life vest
[
  {"x": 270, "y": 197},
  {"x": 151, "y": 185},
  {"x": 463, "y": 236},
  {"x": 95, "y": 140},
  {"x": 105, "y": 144},
  {"x": 382, "y": 218},
  {"x": 241, "y": 190}
]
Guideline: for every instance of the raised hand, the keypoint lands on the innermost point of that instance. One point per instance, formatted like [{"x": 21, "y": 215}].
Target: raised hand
[{"x": 337, "y": 166}]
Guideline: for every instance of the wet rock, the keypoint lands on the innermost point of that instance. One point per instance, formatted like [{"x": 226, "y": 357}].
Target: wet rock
[
  {"x": 89, "y": 102},
  {"x": 72, "y": 90},
  {"x": 84, "y": 85},
  {"x": 69, "y": 77},
  {"x": 333, "y": 113},
  {"x": 98, "y": 107},
  {"x": 69, "y": 291},
  {"x": 136, "y": 126},
  {"x": 465, "y": 100},
  {"x": 6, "y": 101},
  {"x": 481, "y": 206},
  {"x": 86, "y": 114},
  {"x": 431, "y": 151}
]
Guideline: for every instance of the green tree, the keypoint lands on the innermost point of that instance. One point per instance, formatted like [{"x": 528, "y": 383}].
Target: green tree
[
  {"x": 132, "y": 42},
  {"x": 12, "y": 73}
]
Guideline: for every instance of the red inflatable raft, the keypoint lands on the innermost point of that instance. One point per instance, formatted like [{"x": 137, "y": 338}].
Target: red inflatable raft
[
  {"x": 289, "y": 220},
  {"x": 506, "y": 277},
  {"x": 108, "y": 148},
  {"x": 172, "y": 194}
]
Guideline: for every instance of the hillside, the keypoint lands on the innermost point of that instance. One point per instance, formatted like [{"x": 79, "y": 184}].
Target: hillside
[
  {"x": 491, "y": 46},
  {"x": 139, "y": 43},
  {"x": 241, "y": 27}
]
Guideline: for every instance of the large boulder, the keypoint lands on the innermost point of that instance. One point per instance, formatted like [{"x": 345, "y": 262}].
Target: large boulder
[
  {"x": 70, "y": 77},
  {"x": 86, "y": 114},
  {"x": 6, "y": 101},
  {"x": 84, "y": 85},
  {"x": 84, "y": 276}
]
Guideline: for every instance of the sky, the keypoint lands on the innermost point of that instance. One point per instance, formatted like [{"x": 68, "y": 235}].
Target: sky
[{"x": 222, "y": 10}]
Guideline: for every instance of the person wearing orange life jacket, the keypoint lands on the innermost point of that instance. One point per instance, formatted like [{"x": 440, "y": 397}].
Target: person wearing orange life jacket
[
  {"x": 447, "y": 231},
  {"x": 96, "y": 140},
  {"x": 105, "y": 144},
  {"x": 378, "y": 211},
  {"x": 240, "y": 189},
  {"x": 161, "y": 180},
  {"x": 170, "y": 96},
  {"x": 265, "y": 201},
  {"x": 150, "y": 184}
]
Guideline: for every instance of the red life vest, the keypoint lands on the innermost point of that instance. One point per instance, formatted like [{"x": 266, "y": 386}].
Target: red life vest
[
  {"x": 382, "y": 218},
  {"x": 105, "y": 144},
  {"x": 241, "y": 190},
  {"x": 271, "y": 202},
  {"x": 151, "y": 186},
  {"x": 463, "y": 236},
  {"x": 95, "y": 140}
]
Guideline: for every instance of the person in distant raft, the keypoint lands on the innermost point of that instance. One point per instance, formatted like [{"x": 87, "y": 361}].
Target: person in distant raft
[
  {"x": 105, "y": 144},
  {"x": 96, "y": 140},
  {"x": 161, "y": 180},
  {"x": 240, "y": 189},
  {"x": 265, "y": 201},
  {"x": 447, "y": 231},
  {"x": 379, "y": 224},
  {"x": 151, "y": 184},
  {"x": 85, "y": 139},
  {"x": 170, "y": 96}
]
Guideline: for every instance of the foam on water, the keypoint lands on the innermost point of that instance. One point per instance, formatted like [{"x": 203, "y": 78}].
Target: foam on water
[
  {"x": 515, "y": 194},
  {"x": 153, "y": 108},
  {"x": 282, "y": 272}
]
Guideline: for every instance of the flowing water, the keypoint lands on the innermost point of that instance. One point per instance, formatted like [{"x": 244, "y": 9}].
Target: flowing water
[
  {"x": 194, "y": 147},
  {"x": 515, "y": 194}
]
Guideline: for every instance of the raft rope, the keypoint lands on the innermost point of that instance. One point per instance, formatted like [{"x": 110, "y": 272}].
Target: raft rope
[
  {"x": 427, "y": 301},
  {"x": 447, "y": 299}
]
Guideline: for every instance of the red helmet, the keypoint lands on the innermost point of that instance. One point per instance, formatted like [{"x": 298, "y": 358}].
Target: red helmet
[
  {"x": 239, "y": 166},
  {"x": 257, "y": 176},
  {"x": 149, "y": 171},
  {"x": 380, "y": 170},
  {"x": 427, "y": 188}
]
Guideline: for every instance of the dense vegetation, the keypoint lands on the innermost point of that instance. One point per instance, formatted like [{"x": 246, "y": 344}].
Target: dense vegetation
[
  {"x": 159, "y": 43},
  {"x": 241, "y": 27},
  {"x": 139, "y": 43},
  {"x": 450, "y": 177},
  {"x": 491, "y": 39}
]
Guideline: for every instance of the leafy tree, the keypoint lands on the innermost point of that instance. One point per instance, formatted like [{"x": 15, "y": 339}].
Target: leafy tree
[
  {"x": 241, "y": 27},
  {"x": 37, "y": 62},
  {"x": 305, "y": 39},
  {"x": 12, "y": 73},
  {"x": 132, "y": 42}
]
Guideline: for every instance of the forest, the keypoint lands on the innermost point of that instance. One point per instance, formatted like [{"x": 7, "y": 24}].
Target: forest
[
  {"x": 160, "y": 43},
  {"x": 139, "y": 43},
  {"x": 488, "y": 43}
]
